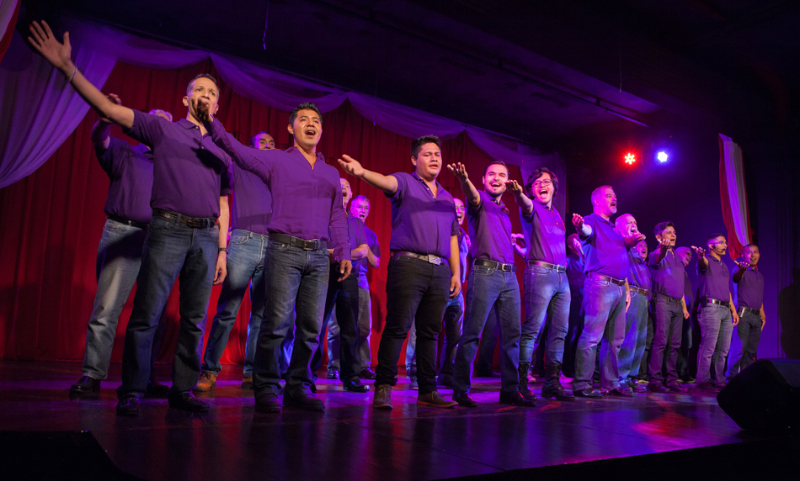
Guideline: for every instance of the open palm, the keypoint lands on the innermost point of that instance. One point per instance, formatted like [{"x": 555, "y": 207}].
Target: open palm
[{"x": 43, "y": 40}]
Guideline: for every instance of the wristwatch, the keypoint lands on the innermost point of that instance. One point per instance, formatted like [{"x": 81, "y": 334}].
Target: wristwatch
[{"x": 222, "y": 249}]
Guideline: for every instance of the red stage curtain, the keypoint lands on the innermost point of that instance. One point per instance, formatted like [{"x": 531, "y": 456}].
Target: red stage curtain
[{"x": 52, "y": 220}]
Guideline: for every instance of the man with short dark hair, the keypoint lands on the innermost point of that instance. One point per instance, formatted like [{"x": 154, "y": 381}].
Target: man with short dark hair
[
  {"x": 606, "y": 295},
  {"x": 717, "y": 315},
  {"x": 419, "y": 282},
  {"x": 668, "y": 272},
  {"x": 750, "y": 301},
  {"x": 360, "y": 207},
  {"x": 492, "y": 286}
]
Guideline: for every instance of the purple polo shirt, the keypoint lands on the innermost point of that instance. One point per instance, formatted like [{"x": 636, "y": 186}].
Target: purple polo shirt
[
  {"x": 688, "y": 292},
  {"x": 306, "y": 201},
  {"x": 750, "y": 289},
  {"x": 421, "y": 223},
  {"x": 547, "y": 240},
  {"x": 575, "y": 275},
  {"x": 490, "y": 230},
  {"x": 714, "y": 280},
  {"x": 362, "y": 265},
  {"x": 667, "y": 275},
  {"x": 638, "y": 273},
  {"x": 190, "y": 173},
  {"x": 604, "y": 249},
  {"x": 130, "y": 170},
  {"x": 251, "y": 209}
]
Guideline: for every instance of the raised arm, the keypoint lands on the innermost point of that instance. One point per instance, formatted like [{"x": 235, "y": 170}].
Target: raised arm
[
  {"x": 60, "y": 56},
  {"x": 663, "y": 248},
  {"x": 702, "y": 262},
  {"x": 387, "y": 183},
  {"x": 248, "y": 158},
  {"x": 737, "y": 276},
  {"x": 467, "y": 187},
  {"x": 101, "y": 132},
  {"x": 584, "y": 229},
  {"x": 525, "y": 203}
]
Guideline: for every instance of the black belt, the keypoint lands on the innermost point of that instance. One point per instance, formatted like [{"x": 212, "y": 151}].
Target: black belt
[
  {"x": 707, "y": 300},
  {"x": 641, "y": 291},
  {"x": 196, "y": 222},
  {"x": 548, "y": 265},
  {"x": 495, "y": 265},
  {"x": 619, "y": 282},
  {"x": 429, "y": 258},
  {"x": 744, "y": 310},
  {"x": 129, "y": 222},
  {"x": 308, "y": 245},
  {"x": 667, "y": 298}
]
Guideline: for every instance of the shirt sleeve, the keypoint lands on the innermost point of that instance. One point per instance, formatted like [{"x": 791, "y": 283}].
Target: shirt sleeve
[
  {"x": 111, "y": 158},
  {"x": 402, "y": 184},
  {"x": 374, "y": 244},
  {"x": 147, "y": 129},
  {"x": 252, "y": 160}
]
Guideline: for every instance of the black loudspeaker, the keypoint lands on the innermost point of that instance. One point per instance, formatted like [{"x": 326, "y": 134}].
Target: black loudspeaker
[{"x": 765, "y": 396}]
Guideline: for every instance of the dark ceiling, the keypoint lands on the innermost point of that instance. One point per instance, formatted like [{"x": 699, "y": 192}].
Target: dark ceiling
[{"x": 545, "y": 72}]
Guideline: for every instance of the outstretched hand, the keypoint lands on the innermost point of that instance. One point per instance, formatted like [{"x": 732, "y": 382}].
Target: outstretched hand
[
  {"x": 742, "y": 265},
  {"x": 701, "y": 253},
  {"x": 514, "y": 187},
  {"x": 44, "y": 41},
  {"x": 577, "y": 221},
  {"x": 459, "y": 170},
  {"x": 351, "y": 166}
]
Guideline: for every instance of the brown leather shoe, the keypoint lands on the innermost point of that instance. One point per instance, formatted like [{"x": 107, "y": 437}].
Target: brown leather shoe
[
  {"x": 383, "y": 397},
  {"x": 436, "y": 400},
  {"x": 247, "y": 382},
  {"x": 207, "y": 382}
]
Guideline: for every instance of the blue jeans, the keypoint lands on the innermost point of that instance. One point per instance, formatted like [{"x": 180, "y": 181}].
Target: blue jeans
[
  {"x": 546, "y": 290},
  {"x": 452, "y": 322},
  {"x": 172, "y": 251},
  {"x": 119, "y": 256},
  {"x": 491, "y": 332},
  {"x": 603, "y": 320},
  {"x": 632, "y": 349},
  {"x": 245, "y": 262},
  {"x": 749, "y": 330},
  {"x": 666, "y": 340},
  {"x": 716, "y": 328},
  {"x": 487, "y": 288},
  {"x": 574, "y": 331},
  {"x": 417, "y": 293},
  {"x": 297, "y": 282}
]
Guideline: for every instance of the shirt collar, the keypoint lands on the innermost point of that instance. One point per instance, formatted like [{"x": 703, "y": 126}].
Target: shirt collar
[
  {"x": 294, "y": 149},
  {"x": 414, "y": 175},
  {"x": 187, "y": 125}
]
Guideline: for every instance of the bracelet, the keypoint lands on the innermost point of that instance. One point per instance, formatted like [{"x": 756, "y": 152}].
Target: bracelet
[{"x": 73, "y": 75}]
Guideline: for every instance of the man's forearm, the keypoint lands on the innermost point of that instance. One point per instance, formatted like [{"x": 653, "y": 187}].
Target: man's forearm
[
  {"x": 469, "y": 190},
  {"x": 107, "y": 109},
  {"x": 359, "y": 252},
  {"x": 524, "y": 202},
  {"x": 386, "y": 183},
  {"x": 101, "y": 134},
  {"x": 224, "y": 221},
  {"x": 455, "y": 259}
]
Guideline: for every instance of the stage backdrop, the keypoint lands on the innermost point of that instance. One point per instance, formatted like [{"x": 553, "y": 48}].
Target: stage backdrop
[{"x": 51, "y": 221}]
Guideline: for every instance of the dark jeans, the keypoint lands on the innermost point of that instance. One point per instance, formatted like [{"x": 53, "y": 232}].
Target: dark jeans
[
  {"x": 489, "y": 288},
  {"x": 667, "y": 339},
  {"x": 686, "y": 346},
  {"x": 297, "y": 282},
  {"x": 491, "y": 332},
  {"x": 245, "y": 262},
  {"x": 172, "y": 251},
  {"x": 632, "y": 349},
  {"x": 417, "y": 292},
  {"x": 343, "y": 298},
  {"x": 749, "y": 330},
  {"x": 574, "y": 331}
]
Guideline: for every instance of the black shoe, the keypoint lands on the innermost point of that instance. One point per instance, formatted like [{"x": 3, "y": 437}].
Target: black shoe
[
  {"x": 620, "y": 393},
  {"x": 354, "y": 385},
  {"x": 588, "y": 392},
  {"x": 156, "y": 390},
  {"x": 463, "y": 399},
  {"x": 677, "y": 388},
  {"x": 85, "y": 385},
  {"x": 367, "y": 373},
  {"x": 186, "y": 401},
  {"x": 656, "y": 386},
  {"x": 333, "y": 373},
  {"x": 636, "y": 387},
  {"x": 706, "y": 388},
  {"x": 302, "y": 400},
  {"x": 268, "y": 403},
  {"x": 128, "y": 406},
  {"x": 445, "y": 380},
  {"x": 558, "y": 393},
  {"x": 515, "y": 398}
]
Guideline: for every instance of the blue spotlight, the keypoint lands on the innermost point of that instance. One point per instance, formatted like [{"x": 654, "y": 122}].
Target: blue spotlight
[{"x": 662, "y": 156}]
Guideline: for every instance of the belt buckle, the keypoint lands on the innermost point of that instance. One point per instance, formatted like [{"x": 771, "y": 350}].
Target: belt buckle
[
  {"x": 434, "y": 259},
  {"x": 311, "y": 245},
  {"x": 505, "y": 267}
]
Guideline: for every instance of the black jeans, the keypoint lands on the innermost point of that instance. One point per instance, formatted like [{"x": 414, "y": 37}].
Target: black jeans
[
  {"x": 417, "y": 291},
  {"x": 342, "y": 296}
]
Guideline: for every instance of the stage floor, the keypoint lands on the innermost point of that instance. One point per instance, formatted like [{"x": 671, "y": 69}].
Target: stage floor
[{"x": 349, "y": 440}]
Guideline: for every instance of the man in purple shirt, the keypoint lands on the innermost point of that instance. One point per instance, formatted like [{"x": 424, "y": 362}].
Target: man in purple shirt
[
  {"x": 251, "y": 211},
  {"x": 716, "y": 315},
  {"x": 750, "y": 301},
  {"x": 119, "y": 254},
  {"x": 189, "y": 197},
  {"x": 668, "y": 272},
  {"x": 606, "y": 295},
  {"x": 492, "y": 283},
  {"x": 359, "y": 207},
  {"x": 424, "y": 243},
  {"x": 307, "y": 217}
]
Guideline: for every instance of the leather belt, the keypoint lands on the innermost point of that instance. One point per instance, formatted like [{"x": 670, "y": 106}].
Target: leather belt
[
  {"x": 744, "y": 310},
  {"x": 707, "y": 300},
  {"x": 548, "y": 265},
  {"x": 667, "y": 298},
  {"x": 429, "y": 258},
  {"x": 641, "y": 291},
  {"x": 129, "y": 222},
  {"x": 495, "y": 265},
  {"x": 619, "y": 282},
  {"x": 195, "y": 222},
  {"x": 306, "y": 245}
]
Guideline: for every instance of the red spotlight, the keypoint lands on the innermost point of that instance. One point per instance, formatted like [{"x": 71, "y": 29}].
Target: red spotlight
[{"x": 630, "y": 158}]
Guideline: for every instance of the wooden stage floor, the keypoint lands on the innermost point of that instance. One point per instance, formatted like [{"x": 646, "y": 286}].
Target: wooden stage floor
[{"x": 349, "y": 440}]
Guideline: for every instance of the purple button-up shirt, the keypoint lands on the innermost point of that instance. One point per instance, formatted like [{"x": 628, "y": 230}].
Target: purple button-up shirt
[
  {"x": 130, "y": 170},
  {"x": 490, "y": 230},
  {"x": 306, "y": 201},
  {"x": 362, "y": 265},
  {"x": 750, "y": 289},
  {"x": 638, "y": 273},
  {"x": 251, "y": 209},
  {"x": 547, "y": 239},
  {"x": 604, "y": 249},
  {"x": 667, "y": 275},
  {"x": 714, "y": 280},
  {"x": 422, "y": 223},
  {"x": 190, "y": 173}
]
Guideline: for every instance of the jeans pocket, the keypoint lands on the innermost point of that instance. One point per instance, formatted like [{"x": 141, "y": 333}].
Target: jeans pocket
[
  {"x": 239, "y": 239},
  {"x": 159, "y": 223},
  {"x": 483, "y": 270},
  {"x": 213, "y": 232}
]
